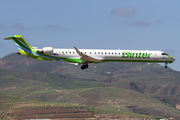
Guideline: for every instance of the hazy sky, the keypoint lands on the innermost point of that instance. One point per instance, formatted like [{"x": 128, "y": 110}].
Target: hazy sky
[{"x": 96, "y": 24}]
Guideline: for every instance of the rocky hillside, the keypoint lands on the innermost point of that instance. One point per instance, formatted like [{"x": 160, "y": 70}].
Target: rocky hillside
[{"x": 141, "y": 88}]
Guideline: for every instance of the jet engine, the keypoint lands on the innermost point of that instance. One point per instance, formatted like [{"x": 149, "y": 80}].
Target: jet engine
[{"x": 46, "y": 50}]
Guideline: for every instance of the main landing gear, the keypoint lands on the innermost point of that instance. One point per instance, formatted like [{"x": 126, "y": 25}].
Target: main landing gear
[
  {"x": 84, "y": 66},
  {"x": 166, "y": 65}
]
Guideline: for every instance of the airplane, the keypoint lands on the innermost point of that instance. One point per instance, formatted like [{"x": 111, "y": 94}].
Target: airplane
[{"x": 86, "y": 56}]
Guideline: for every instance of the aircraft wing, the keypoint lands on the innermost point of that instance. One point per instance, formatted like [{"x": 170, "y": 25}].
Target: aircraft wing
[{"x": 86, "y": 58}]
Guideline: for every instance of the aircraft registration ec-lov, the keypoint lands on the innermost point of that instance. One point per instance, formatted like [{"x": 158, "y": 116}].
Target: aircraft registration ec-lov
[{"x": 86, "y": 56}]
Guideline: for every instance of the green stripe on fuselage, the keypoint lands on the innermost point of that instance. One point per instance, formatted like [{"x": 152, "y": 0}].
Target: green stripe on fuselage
[
  {"x": 137, "y": 61},
  {"x": 34, "y": 56}
]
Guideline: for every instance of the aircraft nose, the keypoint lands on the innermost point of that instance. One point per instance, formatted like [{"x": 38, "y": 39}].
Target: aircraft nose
[{"x": 171, "y": 57}]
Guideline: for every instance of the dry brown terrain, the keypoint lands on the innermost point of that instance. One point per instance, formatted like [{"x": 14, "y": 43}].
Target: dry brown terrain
[
  {"x": 56, "y": 113},
  {"x": 48, "y": 113}
]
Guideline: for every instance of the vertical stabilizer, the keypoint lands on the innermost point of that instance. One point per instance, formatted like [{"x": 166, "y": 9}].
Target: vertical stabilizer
[{"x": 22, "y": 45}]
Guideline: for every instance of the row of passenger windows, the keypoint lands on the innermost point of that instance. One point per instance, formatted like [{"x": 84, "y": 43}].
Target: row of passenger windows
[
  {"x": 91, "y": 52},
  {"x": 105, "y": 53},
  {"x": 102, "y": 53},
  {"x": 68, "y": 52}
]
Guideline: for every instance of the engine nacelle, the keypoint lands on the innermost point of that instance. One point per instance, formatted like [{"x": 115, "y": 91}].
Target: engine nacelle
[{"x": 46, "y": 50}]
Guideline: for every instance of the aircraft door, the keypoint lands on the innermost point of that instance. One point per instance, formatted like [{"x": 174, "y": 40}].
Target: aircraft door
[{"x": 156, "y": 56}]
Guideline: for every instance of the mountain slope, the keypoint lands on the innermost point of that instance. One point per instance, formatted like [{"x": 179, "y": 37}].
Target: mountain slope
[{"x": 142, "y": 88}]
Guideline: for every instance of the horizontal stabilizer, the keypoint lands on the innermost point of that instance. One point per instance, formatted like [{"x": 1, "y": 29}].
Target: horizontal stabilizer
[{"x": 7, "y": 38}]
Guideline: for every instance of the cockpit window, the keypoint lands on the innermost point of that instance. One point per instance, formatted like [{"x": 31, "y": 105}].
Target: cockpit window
[{"x": 164, "y": 54}]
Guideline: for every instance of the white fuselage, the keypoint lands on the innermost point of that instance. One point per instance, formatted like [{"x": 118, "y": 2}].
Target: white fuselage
[{"x": 116, "y": 55}]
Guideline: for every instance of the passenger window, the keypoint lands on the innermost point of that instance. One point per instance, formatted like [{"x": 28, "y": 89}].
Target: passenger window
[
  {"x": 70, "y": 52},
  {"x": 95, "y": 53},
  {"x": 102, "y": 53},
  {"x": 115, "y": 53},
  {"x": 105, "y": 53},
  {"x": 62, "y": 51},
  {"x": 98, "y": 52},
  {"x": 112, "y": 52},
  {"x": 66, "y": 52},
  {"x": 109, "y": 53}
]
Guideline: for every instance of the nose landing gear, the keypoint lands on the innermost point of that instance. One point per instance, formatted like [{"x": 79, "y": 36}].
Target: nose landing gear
[
  {"x": 84, "y": 66},
  {"x": 166, "y": 65}
]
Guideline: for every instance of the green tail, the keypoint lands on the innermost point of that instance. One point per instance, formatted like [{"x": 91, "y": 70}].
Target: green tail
[
  {"x": 22, "y": 45},
  {"x": 26, "y": 49}
]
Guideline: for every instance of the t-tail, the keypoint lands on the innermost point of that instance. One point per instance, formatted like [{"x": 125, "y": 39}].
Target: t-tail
[
  {"x": 23, "y": 46},
  {"x": 27, "y": 50}
]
